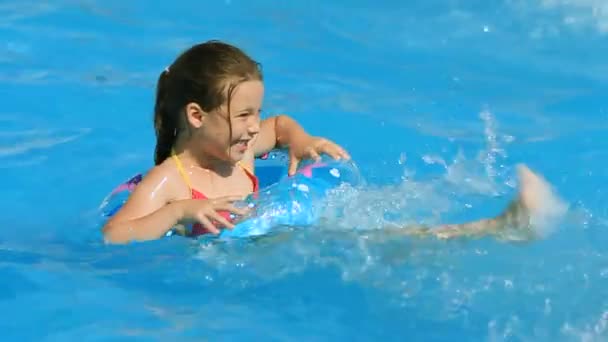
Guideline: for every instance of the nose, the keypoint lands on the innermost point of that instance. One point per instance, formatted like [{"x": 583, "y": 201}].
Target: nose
[{"x": 254, "y": 126}]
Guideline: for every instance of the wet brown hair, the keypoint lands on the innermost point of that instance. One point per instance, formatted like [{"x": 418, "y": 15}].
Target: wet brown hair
[{"x": 205, "y": 74}]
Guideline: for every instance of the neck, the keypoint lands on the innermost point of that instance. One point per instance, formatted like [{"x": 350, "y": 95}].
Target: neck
[{"x": 204, "y": 160}]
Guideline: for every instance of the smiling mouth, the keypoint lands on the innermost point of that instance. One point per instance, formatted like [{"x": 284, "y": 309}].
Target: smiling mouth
[{"x": 242, "y": 144}]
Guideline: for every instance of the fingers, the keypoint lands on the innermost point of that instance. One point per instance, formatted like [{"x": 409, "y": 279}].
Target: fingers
[
  {"x": 293, "y": 165},
  {"x": 231, "y": 208},
  {"x": 335, "y": 152},
  {"x": 209, "y": 217},
  {"x": 314, "y": 152},
  {"x": 202, "y": 219},
  {"x": 342, "y": 153},
  {"x": 314, "y": 155},
  {"x": 332, "y": 149},
  {"x": 221, "y": 220}
]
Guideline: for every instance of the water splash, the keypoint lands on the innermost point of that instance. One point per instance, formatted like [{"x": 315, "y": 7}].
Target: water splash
[
  {"x": 355, "y": 218},
  {"x": 476, "y": 283},
  {"x": 581, "y": 12},
  {"x": 494, "y": 154}
]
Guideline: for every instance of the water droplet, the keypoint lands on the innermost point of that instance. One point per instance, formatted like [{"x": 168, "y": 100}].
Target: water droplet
[
  {"x": 303, "y": 187},
  {"x": 402, "y": 158}
]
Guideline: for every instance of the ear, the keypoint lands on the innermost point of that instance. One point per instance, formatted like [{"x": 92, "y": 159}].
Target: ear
[{"x": 195, "y": 115}]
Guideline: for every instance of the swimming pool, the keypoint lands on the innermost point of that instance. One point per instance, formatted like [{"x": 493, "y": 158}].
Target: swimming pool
[{"x": 436, "y": 101}]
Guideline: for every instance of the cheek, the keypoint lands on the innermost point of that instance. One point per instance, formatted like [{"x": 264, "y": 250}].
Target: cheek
[
  {"x": 222, "y": 136},
  {"x": 238, "y": 127},
  {"x": 215, "y": 136},
  {"x": 219, "y": 127}
]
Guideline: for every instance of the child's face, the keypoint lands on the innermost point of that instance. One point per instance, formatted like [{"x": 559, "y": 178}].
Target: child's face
[{"x": 245, "y": 107}]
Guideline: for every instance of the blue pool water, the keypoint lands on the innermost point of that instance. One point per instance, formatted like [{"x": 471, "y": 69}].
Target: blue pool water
[{"x": 437, "y": 101}]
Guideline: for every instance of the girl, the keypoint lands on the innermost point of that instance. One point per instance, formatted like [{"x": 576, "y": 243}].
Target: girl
[{"x": 208, "y": 130}]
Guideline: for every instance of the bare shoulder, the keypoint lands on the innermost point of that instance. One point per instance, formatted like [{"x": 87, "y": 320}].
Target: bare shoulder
[
  {"x": 166, "y": 178},
  {"x": 159, "y": 186}
]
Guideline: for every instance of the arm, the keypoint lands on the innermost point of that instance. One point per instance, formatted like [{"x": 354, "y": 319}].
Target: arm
[
  {"x": 151, "y": 211},
  {"x": 282, "y": 131},
  {"x": 146, "y": 215},
  {"x": 277, "y": 131}
]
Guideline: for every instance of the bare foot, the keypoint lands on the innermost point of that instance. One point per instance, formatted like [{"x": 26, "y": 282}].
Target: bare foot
[
  {"x": 537, "y": 197},
  {"x": 534, "y": 213}
]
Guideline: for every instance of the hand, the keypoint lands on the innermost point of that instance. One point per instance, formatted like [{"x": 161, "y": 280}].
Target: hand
[
  {"x": 309, "y": 147},
  {"x": 205, "y": 211}
]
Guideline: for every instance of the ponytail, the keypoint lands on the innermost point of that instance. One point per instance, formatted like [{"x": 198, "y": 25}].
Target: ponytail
[{"x": 165, "y": 124}]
